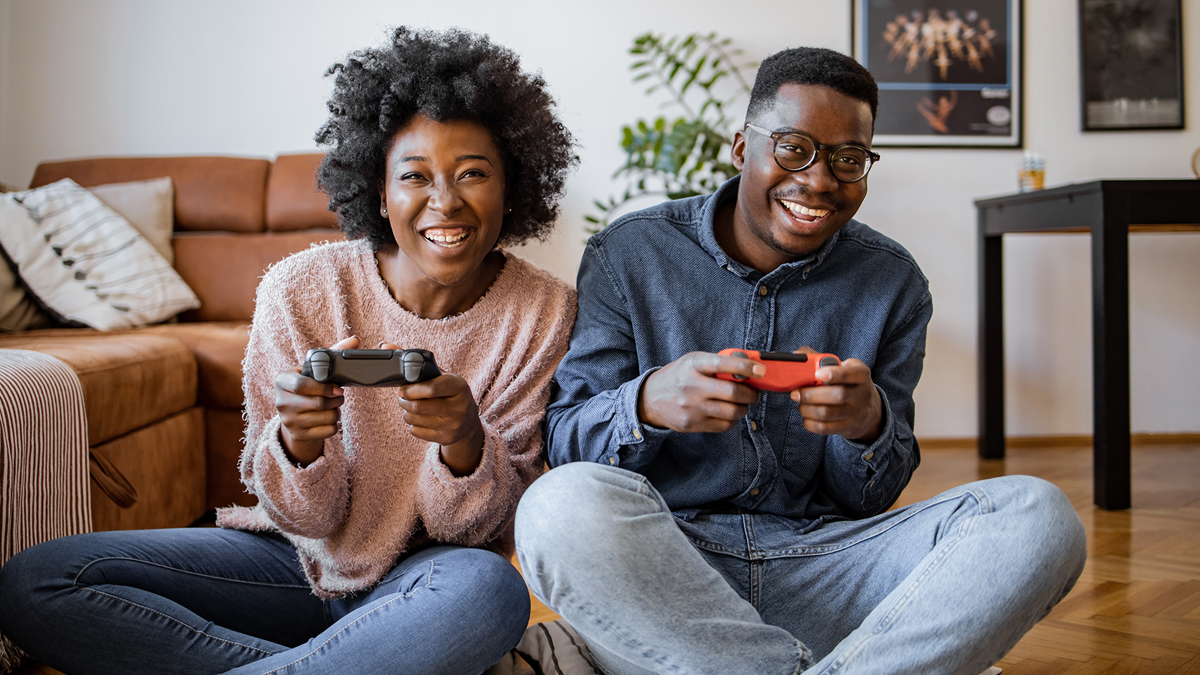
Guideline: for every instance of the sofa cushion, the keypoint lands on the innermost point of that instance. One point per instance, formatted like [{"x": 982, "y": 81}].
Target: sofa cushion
[
  {"x": 128, "y": 380},
  {"x": 293, "y": 200},
  {"x": 224, "y": 269},
  {"x": 148, "y": 205},
  {"x": 211, "y": 193},
  {"x": 219, "y": 348},
  {"x": 86, "y": 264}
]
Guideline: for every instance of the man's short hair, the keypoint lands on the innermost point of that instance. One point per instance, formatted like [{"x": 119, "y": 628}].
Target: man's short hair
[{"x": 811, "y": 65}]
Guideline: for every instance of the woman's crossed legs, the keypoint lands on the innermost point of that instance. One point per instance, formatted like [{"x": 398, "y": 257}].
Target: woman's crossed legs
[{"x": 203, "y": 600}]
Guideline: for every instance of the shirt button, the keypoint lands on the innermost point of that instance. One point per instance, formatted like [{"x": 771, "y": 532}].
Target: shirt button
[
  {"x": 753, "y": 425},
  {"x": 637, "y": 434},
  {"x": 869, "y": 456},
  {"x": 612, "y": 460},
  {"x": 753, "y": 492},
  {"x": 762, "y": 290}
]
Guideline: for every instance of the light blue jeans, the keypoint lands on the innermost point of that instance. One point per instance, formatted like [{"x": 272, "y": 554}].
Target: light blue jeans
[
  {"x": 213, "y": 601},
  {"x": 948, "y": 585}
]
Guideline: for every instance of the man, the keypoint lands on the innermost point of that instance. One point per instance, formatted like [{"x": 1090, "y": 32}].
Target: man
[{"x": 696, "y": 525}]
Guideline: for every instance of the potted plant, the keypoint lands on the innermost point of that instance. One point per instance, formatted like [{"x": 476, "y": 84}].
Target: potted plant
[{"x": 688, "y": 154}]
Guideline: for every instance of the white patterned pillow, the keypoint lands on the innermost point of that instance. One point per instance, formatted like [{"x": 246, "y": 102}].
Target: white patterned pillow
[{"x": 85, "y": 262}]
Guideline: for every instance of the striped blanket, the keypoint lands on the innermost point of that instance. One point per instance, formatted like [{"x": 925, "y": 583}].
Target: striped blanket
[{"x": 44, "y": 489}]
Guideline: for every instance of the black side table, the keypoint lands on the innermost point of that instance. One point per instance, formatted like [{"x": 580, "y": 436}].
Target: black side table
[{"x": 1109, "y": 210}]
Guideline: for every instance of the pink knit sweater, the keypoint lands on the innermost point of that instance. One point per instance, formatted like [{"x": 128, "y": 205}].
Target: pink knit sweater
[{"x": 354, "y": 511}]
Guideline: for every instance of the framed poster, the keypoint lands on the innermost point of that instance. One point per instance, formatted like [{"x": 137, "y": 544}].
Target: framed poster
[
  {"x": 1132, "y": 64},
  {"x": 949, "y": 73}
]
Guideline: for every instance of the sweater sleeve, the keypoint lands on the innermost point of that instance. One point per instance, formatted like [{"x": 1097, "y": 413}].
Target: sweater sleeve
[
  {"x": 478, "y": 508},
  {"x": 309, "y": 501}
]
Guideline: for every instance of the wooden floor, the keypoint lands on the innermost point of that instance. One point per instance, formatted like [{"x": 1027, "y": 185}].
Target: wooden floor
[{"x": 1136, "y": 609}]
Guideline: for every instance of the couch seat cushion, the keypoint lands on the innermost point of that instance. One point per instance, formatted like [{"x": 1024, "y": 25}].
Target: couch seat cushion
[
  {"x": 219, "y": 347},
  {"x": 129, "y": 380}
]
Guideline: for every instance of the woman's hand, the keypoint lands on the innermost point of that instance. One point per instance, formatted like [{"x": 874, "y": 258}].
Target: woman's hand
[
  {"x": 308, "y": 411},
  {"x": 443, "y": 411}
]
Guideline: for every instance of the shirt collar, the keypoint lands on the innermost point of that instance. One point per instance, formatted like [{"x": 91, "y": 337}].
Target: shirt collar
[{"x": 708, "y": 239}]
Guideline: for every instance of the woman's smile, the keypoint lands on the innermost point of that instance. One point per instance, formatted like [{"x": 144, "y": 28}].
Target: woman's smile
[{"x": 447, "y": 237}]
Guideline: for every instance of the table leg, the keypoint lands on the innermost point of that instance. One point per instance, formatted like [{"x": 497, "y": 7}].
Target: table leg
[
  {"x": 1110, "y": 356},
  {"x": 991, "y": 344}
]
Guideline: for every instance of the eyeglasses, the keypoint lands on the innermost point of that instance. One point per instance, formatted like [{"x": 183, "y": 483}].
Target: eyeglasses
[{"x": 796, "y": 152}]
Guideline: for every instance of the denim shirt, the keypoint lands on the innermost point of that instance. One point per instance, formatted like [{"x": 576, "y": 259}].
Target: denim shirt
[{"x": 655, "y": 285}]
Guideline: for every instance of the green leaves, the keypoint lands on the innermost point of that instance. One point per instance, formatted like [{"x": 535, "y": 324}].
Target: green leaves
[{"x": 681, "y": 156}]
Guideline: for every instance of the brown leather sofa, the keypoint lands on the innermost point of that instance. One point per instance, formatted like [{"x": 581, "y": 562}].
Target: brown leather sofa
[{"x": 164, "y": 402}]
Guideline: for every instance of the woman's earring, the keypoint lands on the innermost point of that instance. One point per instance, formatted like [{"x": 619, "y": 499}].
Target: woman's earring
[{"x": 383, "y": 210}]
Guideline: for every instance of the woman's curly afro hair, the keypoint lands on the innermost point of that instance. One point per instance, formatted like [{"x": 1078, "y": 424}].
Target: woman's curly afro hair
[{"x": 445, "y": 76}]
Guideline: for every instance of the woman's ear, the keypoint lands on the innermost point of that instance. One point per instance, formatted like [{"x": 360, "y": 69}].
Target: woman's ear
[{"x": 383, "y": 204}]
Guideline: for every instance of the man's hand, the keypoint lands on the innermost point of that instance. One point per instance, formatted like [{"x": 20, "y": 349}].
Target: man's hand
[
  {"x": 308, "y": 411},
  {"x": 443, "y": 411},
  {"x": 685, "y": 396},
  {"x": 847, "y": 405}
]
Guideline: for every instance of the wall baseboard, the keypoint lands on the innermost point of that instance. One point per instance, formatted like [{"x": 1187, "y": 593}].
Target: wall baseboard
[{"x": 1060, "y": 441}]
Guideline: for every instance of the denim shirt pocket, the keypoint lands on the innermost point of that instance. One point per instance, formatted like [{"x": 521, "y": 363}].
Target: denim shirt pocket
[
  {"x": 795, "y": 449},
  {"x": 784, "y": 408}
]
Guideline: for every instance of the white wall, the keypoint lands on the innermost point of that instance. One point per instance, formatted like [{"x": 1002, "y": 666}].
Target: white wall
[
  {"x": 5, "y": 91},
  {"x": 101, "y": 77}
]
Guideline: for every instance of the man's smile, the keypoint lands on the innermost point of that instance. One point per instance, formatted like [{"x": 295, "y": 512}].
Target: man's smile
[{"x": 803, "y": 213}]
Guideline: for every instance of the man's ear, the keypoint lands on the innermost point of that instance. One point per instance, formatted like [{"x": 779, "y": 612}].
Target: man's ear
[{"x": 737, "y": 154}]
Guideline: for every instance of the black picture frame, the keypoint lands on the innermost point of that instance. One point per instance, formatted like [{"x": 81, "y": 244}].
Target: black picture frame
[
  {"x": 947, "y": 76},
  {"x": 1131, "y": 64}
]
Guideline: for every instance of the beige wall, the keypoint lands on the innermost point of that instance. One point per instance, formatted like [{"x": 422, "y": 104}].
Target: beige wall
[
  {"x": 98, "y": 77},
  {"x": 5, "y": 91}
]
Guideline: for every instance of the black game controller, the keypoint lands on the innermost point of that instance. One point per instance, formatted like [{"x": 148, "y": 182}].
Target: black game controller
[{"x": 370, "y": 367}]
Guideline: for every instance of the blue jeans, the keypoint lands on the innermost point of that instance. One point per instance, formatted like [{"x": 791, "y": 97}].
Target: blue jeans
[
  {"x": 948, "y": 585},
  {"x": 223, "y": 601}
]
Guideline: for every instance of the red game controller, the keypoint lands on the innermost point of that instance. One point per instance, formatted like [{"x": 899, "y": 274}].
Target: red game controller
[{"x": 785, "y": 372}]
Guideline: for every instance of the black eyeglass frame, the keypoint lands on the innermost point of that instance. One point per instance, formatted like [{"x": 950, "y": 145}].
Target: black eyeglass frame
[{"x": 833, "y": 149}]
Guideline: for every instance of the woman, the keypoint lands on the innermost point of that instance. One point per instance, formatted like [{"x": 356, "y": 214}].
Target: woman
[{"x": 373, "y": 548}]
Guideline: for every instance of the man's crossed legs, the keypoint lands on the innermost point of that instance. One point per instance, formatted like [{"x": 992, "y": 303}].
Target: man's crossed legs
[{"x": 947, "y": 585}]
